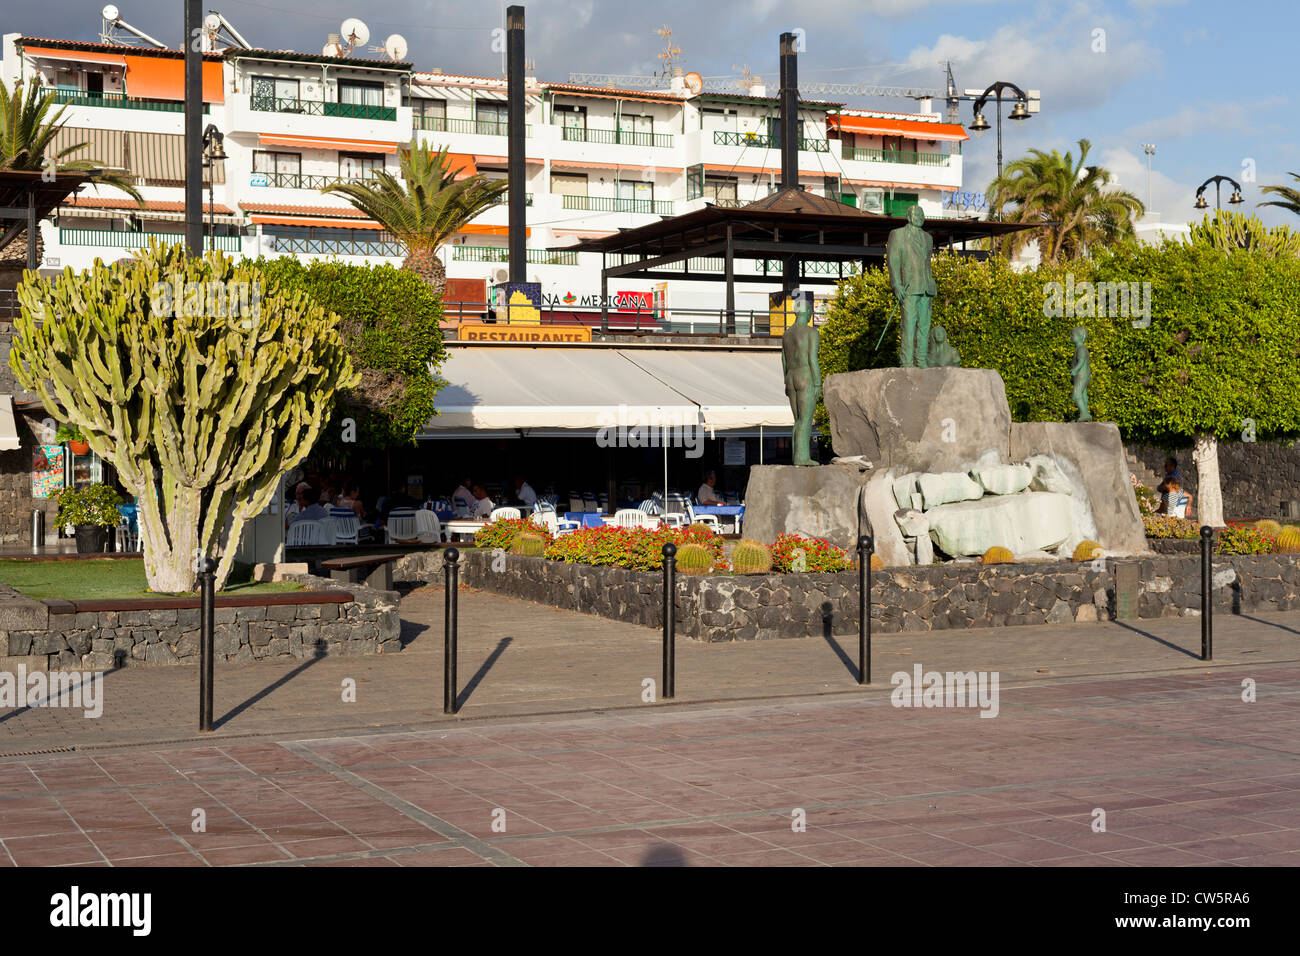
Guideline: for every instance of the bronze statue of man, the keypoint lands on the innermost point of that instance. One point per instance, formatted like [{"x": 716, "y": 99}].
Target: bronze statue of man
[
  {"x": 908, "y": 256},
  {"x": 803, "y": 374}
]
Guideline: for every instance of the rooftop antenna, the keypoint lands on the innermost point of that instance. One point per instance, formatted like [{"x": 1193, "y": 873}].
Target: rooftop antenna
[
  {"x": 394, "y": 48},
  {"x": 113, "y": 19},
  {"x": 670, "y": 53},
  {"x": 353, "y": 33},
  {"x": 218, "y": 23}
]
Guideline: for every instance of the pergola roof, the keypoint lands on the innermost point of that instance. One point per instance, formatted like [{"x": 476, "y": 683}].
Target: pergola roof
[{"x": 17, "y": 188}]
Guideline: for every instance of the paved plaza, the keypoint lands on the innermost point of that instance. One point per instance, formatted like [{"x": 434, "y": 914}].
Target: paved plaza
[{"x": 772, "y": 754}]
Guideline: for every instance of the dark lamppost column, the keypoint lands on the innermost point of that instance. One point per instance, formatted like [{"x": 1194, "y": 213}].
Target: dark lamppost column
[
  {"x": 194, "y": 127},
  {"x": 979, "y": 125},
  {"x": 515, "y": 161},
  {"x": 1233, "y": 200}
]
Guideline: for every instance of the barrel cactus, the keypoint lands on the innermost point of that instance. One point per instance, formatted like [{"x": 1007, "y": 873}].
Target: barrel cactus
[
  {"x": 694, "y": 559},
  {"x": 751, "y": 557},
  {"x": 1288, "y": 539},
  {"x": 1269, "y": 527},
  {"x": 198, "y": 384},
  {"x": 528, "y": 545},
  {"x": 876, "y": 563},
  {"x": 997, "y": 555},
  {"x": 1087, "y": 551}
]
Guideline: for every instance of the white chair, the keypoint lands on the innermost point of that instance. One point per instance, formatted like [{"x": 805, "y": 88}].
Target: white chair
[
  {"x": 127, "y": 539},
  {"x": 343, "y": 526},
  {"x": 305, "y": 532},
  {"x": 401, "y": 528},
  {"x": 459, "y": 509},
  {"x": 553, "y": 523},
  {"x": 590, "y": 504},
  {"x": 711, "y": 520},
  {"x": 427, "y": 526},
  {"x": 649, "y": 507},
  {"x": 634, "y": 518},
  {"x": 504, "y": 513}
]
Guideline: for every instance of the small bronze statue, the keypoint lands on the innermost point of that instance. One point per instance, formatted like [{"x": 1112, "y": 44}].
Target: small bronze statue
[
  {"x": 907, "y": 253},
  {"x": 1081, "y": 372},
  {"x": 803, "y": 374},
  {"x": 943, "y": 354}
]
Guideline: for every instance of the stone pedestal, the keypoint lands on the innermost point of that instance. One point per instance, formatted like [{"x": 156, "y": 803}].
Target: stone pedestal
[{"x": 820, "y": 502}]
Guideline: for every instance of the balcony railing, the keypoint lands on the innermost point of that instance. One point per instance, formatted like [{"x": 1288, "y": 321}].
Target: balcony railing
[
  {"x": 504, "y": 199},
  {"x": 340, "y": 247},
  {"x": 723, "y": 137},
  {"x": 615, "y": 137},
  {"x": 138, "y": 240},
  {"x": 872, "y": 154},
  {"x": 118, "y": 101},
  {"x": 652, "y": 207},
  {"x": 318, "y": 108},
  {"x": 443, "y": 124},
  {"x": 536, "y": 257},
  {"x": 301, "y": 180}
]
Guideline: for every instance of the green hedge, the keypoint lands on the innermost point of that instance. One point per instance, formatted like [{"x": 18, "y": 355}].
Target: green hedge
[{"x": 1222, "y": 344}]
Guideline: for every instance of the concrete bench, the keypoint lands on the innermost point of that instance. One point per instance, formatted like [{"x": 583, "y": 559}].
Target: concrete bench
[{"x": 371, "y": 570}]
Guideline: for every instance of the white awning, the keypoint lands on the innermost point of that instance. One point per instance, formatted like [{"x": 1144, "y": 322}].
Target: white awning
[
  {"x": 8, "y": 427},
  {"x": 576, "y": 389}
]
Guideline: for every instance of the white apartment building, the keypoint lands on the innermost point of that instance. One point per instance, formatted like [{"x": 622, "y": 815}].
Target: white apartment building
[{"x": 598, "y": 160}]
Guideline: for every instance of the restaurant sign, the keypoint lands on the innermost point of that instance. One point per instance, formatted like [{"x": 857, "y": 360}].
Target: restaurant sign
[{"x": 529, "y": 334}]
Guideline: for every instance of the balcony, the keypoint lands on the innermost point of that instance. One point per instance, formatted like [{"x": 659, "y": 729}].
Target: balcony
[
  {"x": 319, "y": 108},
  {"x": 614, "y": 137},
  {"x": 300, "y": 180},
  {"x": 443, "y": 124},
  {"x": 651, "y": 207},
  {"x": 536, "y": 257},
  {"x": 340, "y": 247},
  {"x": 724, "y": 137},
  {"x": 139, "y": 240},
  {"x": 872, "y": 154},
  {"x": 504, "y": 199},
  {"x": 118, "y": 101}
]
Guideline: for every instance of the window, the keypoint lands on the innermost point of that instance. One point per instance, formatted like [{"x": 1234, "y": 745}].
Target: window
[
  {"x": 712, "y": 120},
  {"x": 279, "y": 169},
  {"x": 641, "y": 128},
  {"x": 720, "y": 190},
  {"x": 361, "y": 93},
  {"x": 425, "y": 106},
  {"x": 635, "y": 189},
  {"x": 570, "y": 117},
  {"x": 899, "y": 203},
  {"x": 275, "y": 94},
  {"x": 569, "y": 184},
  {"x": 873, "y": 200},
  {"x": 359, "y": 165},
  {"x": 831, "y": 188},
  {"x": 490, "y": 117}
]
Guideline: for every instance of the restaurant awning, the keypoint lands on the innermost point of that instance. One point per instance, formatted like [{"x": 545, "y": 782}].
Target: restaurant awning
[
  {"x": 8, "y": 427},
  {"x": 585, "y": 389}
]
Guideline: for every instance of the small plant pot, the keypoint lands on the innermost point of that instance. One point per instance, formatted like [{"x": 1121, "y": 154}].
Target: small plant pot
[
  {"x": 79, "y": 447},
  {"x": 91, "y": 538}
]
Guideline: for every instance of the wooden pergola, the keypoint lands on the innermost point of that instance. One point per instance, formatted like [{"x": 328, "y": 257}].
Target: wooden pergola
[
  {"x": 28, "y": 197},
  {"x": 790, "y": 225}
]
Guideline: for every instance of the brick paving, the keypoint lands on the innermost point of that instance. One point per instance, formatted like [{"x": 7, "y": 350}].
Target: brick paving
[{"x": 1091, "y": 717}]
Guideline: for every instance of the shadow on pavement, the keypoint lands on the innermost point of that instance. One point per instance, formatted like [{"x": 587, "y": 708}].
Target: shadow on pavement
[
  {"x": 266, "y": 691},
  {"x": 1269, "y": 623},
  {"x": 1159, "y": 640},
  {"x": 479, "y": 674},
  {"x": 664, "y": 856},
  {"x": 828, "y": 619},
  {"x": 48, "y": 697}
]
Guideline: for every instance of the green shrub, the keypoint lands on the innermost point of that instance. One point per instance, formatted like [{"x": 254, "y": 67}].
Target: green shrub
[
  {"x": 751, "y": 557},
  {"x": 637, "y": 549},
  {"x": 1244, "y": 539},
  {"x": 502, "y": 532},
  {"x": 793, "y": 552},
  {"x": 1164, "y": 526},
  {"x": 96, "y": 504}
]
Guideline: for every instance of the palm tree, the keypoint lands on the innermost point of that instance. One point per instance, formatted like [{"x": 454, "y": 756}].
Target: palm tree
[
  {"x": 27, "y": 132},
  {"x": 1290, "y": 195},
  {"x": 423, "y": 208},
  {"x": 1075, "y": 203}
]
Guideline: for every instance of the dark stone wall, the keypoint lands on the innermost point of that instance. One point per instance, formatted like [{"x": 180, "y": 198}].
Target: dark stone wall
[
  {"x": 949, "y": 597},
  {"x": 1256, "y": 477}
]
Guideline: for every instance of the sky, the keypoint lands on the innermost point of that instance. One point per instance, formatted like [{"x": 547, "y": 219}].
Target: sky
[{"x": 1210, "y": 84}]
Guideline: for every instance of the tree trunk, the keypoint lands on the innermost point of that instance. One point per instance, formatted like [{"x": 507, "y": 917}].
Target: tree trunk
[
  {"x": 1209, "y": 492},
  {"x": 426, "y": 264}
]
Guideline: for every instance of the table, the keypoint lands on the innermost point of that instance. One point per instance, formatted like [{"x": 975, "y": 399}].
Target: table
[
  {"x": 588, "y": 519},
  {"x": 736, "y": 512},
  {"x": 462, "y": 526}
]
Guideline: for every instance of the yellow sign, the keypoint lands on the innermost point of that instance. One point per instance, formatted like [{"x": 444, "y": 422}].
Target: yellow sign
[
  {"x": 521, "y": 311},
  {"x": 780, "y": 311},
  {"x": 482, "y": 332}
]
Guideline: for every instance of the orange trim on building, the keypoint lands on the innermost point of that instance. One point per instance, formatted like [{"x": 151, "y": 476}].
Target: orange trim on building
[
  {"x": 462, "y": 164},
  {"x": 482, "y": 160},
  {"x": 621, "y": 167},
  {"x": 316, "y": 142},
  {"x": 478, "y": 229},
  {"x": 912, "y": 129},
  {"x": 130, "y": 205},
  {"x": 284, "y": 209},
  {"x": 84, "y": 56},
  {"x": 310, "y": 221},
  {"x": 157, "y": 78}
]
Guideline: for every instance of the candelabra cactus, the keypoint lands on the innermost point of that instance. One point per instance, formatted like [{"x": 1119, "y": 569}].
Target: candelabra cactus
[{"x": 199, "y": 410}]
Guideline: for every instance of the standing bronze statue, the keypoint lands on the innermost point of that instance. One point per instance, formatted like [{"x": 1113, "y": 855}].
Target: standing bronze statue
[
  {"x": 803, "y": 374},
  {"x": 1081, "y": 373},
  {"x": 908, "y": 255}
]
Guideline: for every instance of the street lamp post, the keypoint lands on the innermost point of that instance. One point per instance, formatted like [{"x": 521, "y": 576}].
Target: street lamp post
[
  {"x": 1150, "y": 150},
  {"x": 1233, "y": 200},
  {"x": 213, "y": 153},
  {"x": 1019, "y": 112}
]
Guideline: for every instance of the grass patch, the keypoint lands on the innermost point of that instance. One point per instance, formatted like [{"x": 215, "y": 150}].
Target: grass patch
[{"x": 109, "y": 579}]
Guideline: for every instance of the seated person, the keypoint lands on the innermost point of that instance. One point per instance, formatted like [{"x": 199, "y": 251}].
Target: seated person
[
  {"x": 399, "y": 500},
  {"x": 462, "y": 499},
  {"x": 483, "y": 505},
  {"x": 524, "y": 492},
  {"x": 1171, "y": 474},
  {"x": 1178, "y": 500},
  {"x": 306, "y": 512},
  {"x": 706, "y": 495}
]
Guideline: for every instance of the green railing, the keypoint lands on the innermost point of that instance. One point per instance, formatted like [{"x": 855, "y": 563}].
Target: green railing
[
  {"x": 652, "y": 207},
  {"x": 300, "y": 180},
  {"x": 872, "y": 154},
  {"x": 138, "y": 240},
  {"x": 536, "y": 257},
  {"x": 722, "y": 137},
  {"x": 443, "y": 124},
  {"x": 318, "y": 108},
  {"x": 615, "y": 137},
  {"x": 118, "y": 101},
  {"x": 504, "y": 199},
  {"x": 340, "y": 247}
]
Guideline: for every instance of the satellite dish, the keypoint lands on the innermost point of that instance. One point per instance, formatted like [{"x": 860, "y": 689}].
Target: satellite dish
[
  {"x": 354, "y": 32},
  {"x": 111, "y": 13},
  {"x": 212, "y": 23},
  {"x": 395, "y": 47},
  {"x": 694, "y": 82}
]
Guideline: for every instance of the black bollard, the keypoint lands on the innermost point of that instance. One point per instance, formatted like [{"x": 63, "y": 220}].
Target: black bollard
[
  {"x": 1207, "y": 593},
  {"x": 451, "y": 570},
  {"x": 207, "y": 617},
  {"x": 866, "y": 548},
  {"x": 670, "y": 621}
]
